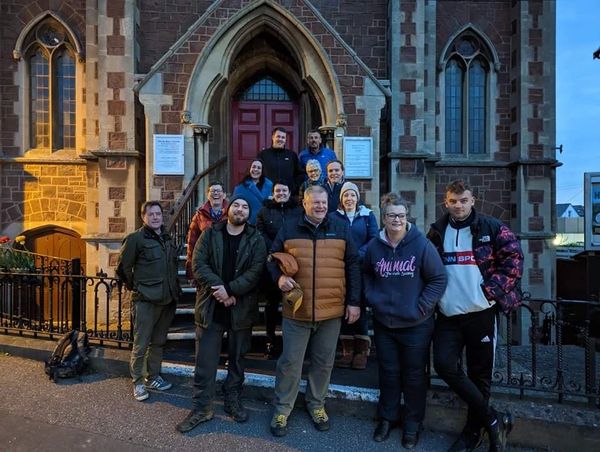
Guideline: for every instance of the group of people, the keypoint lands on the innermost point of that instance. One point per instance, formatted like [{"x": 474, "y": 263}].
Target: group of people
[{"x": 324, "y": 265}]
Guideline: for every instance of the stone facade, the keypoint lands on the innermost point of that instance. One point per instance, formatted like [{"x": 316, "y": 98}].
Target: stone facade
[{"x": 371, "y": 69}]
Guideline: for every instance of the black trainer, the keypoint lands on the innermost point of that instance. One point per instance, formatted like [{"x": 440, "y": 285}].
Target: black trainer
[
  {"x": 194, "y": 418},
  {"x": 498, "y": 431},
  {"x": 469, "y": 440},
  {"x": 235, "y": 409},
  {"x": 410, "y": 439},
  {"x": 382, "y": 431}
]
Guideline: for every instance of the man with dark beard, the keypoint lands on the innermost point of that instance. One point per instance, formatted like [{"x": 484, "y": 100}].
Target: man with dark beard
[{"x": 227, "y": 264}]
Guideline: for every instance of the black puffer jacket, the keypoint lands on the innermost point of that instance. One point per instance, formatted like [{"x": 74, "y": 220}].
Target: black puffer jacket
[{"x": 273, "y": 215}]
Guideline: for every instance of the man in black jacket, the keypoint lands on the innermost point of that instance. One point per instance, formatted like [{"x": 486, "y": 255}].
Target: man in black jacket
[
  {"x": 271, "y": 218},
  {"x": 280, "y": 163},
  {"x": 484, "y": 263},
  {"x": 227, "y": 265}
]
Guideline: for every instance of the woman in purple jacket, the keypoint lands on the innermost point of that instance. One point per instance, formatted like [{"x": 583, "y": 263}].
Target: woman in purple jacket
[
  {"x": 354, "y": 343},
  {"x": 404, "y": 278}
]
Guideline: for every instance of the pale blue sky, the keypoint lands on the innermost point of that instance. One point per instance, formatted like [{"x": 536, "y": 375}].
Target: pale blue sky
[{"x": 577, "y": 95}]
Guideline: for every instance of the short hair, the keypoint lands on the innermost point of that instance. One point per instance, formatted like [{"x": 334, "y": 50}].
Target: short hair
[
  {"x": 314, "y": 131},
  {"x": 313, "y": 163},
  {"x": 280, "y": 182},
  {"x": 458, "y": 186},
  {"x": 148, "y": 204},
  {"x": 313, "y": 189},
  {"x": 278, "y": 129},
  {"x": 335, "y": 161},
  {"x": 392, "y": 199},
  {"x": 214, "y": 182}
]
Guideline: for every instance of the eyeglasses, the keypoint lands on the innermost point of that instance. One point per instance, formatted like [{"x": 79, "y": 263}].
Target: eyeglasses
[
  {"x": 395, "y": 216},
  {"x": 214, "y": 191}
]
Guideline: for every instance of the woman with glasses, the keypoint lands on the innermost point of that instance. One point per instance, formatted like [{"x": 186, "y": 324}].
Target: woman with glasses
[
  {"x": 254, "y": 187},
  {"x": 354, "y": 343},
  {"x": 212, "y": 211},
  {"x": 404, "y": 278}
]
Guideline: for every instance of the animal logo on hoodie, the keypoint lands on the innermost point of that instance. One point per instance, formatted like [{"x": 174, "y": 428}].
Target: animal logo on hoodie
[{"x": 404, "y": 267}]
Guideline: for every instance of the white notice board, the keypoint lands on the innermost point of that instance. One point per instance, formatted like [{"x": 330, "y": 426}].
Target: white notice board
[
  {"x": 168, "y": 155},
  {"x": 358, "y": 157}
]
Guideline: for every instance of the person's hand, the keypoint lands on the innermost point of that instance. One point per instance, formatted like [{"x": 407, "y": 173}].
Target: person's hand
[
  {"x": 286, "y": 283},
  {"x": 231, "y": 301},
  {"x": 352, "y": 314},
  {"x": 220, "y": 293}
]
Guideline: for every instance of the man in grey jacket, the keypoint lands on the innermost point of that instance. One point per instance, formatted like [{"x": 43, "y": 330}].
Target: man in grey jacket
[{"x": 227, "y": 264}]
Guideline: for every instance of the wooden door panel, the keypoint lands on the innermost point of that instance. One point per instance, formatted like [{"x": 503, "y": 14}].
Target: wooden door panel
[
  {"x": 284, "y": 114},
  {"x": 248, "y": 137},
  {"x": 253, "y": 123}
]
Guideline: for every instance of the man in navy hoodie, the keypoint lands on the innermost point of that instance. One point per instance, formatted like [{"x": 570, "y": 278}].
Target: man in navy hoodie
[{"x": 484, "y": 263}]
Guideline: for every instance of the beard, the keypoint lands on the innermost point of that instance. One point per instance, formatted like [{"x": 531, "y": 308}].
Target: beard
[{"x": 238, "y": 220}]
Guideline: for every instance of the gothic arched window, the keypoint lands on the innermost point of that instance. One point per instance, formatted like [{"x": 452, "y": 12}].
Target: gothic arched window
[
  {"x": 466, "y": 82},
  {"x": 50, "y": 58},
  {"x": 266, "y": 90}
]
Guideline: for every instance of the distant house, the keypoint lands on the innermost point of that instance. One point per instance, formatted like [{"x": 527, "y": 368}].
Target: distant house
[
  {"x": 569, "y": 211},
  {"x": 569, "y": 226}
]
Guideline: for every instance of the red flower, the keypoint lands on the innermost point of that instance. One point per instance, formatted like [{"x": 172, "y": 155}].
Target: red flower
[{"x": 4, "y": 239}]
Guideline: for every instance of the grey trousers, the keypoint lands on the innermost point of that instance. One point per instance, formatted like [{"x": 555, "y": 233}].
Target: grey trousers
[
  {"x": 150, "y": 328},
  {"x": 316, "y": 339}
]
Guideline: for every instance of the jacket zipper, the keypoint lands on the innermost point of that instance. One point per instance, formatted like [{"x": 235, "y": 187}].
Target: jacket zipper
[{"x": 314, "y": 277}]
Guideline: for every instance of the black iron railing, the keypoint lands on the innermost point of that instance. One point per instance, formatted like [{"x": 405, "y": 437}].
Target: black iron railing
[
  {"x": 558, "y": 355},
  {"x": 180, "y": 216},
  {"x": 48, "y": 303}
]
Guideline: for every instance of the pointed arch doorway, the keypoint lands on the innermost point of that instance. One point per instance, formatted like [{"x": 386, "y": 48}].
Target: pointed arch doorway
[{"x": 256, "y": 111}]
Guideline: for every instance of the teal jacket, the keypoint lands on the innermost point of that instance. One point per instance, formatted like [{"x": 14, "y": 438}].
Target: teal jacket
[
  {"x": 207, "y": 264},
  {"x": 148, "y": 266}
]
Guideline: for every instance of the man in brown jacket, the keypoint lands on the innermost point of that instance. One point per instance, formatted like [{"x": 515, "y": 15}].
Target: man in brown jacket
[{"x": 329, "y": 276}]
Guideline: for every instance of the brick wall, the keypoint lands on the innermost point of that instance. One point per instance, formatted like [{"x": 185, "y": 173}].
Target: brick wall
[
  {"x": 363, "y": 25},
  {"x": 36, "y": 192},
  {"x": 14, "y": 16}
]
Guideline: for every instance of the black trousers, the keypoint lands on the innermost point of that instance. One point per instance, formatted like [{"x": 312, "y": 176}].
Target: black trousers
[
  {"x": 475, "y": 333},
  {"x": 402, "y": 354},
  {"x": 208, "y": 350}
]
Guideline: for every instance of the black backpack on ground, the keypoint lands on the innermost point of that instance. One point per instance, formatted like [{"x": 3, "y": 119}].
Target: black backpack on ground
[{"x": 70, "y": 357}]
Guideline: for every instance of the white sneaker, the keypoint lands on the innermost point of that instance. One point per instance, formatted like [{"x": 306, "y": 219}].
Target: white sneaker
[
  {"x": 140, "y": 393},
  {"x": 158, "y": 383}
]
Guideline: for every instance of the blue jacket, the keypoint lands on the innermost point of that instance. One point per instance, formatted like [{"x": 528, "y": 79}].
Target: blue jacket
[
  {"x": 404, "y": 284},
  {"x": 323, "y": 156},
  {"x": 255, "y": 197},
  {"x": 363, "y": 228}
]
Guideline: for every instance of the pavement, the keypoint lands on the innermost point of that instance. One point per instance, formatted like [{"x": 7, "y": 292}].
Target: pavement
[{"x": 98, "y": 412}]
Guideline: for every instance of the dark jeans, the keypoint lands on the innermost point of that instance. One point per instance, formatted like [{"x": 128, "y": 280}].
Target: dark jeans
[
  {"x": 208, "y": 349},
  {"x": 475, "y": 332},
  {"x": 402, "y": 354},
  {"x": 358, "y": 328}
]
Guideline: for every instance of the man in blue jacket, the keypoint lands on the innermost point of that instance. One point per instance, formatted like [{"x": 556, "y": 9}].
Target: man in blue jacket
[{"x": 316, "y": 151}]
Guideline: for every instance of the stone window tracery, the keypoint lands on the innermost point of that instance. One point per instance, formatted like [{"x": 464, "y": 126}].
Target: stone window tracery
[
  {"x": 466, "y": 86},
  {"x": 50, "y": 58}
]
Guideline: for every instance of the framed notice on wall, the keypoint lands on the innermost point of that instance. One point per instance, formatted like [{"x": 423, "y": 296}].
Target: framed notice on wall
[
  {"x": 358, "y": 157},
  {"x": 168, "y": 155}
]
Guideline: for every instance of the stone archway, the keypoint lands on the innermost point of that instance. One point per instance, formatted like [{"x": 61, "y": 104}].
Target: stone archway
[{"x": 218, "y": 74}]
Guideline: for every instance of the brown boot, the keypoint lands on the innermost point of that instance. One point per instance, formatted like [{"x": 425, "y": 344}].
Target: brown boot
[
  {"x": 345, "y": 351},
  {"x": 362, "y": 347}
]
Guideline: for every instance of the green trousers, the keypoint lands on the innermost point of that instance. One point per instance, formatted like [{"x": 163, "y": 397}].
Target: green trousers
[{"x": 150, "y": 328}]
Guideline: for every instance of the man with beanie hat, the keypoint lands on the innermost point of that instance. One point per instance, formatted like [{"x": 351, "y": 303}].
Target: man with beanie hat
[
  {"x": 354, "y": 342},
  {"x": 227, "y": 264}
]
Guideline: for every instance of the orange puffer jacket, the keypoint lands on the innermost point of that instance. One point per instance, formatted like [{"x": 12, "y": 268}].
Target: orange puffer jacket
[{"x": 328, "y": 274}]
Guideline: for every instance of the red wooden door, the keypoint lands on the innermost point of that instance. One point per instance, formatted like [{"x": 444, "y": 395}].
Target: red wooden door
[{"x": 253, "y": 123}]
